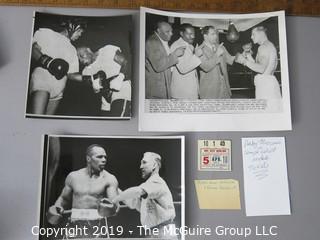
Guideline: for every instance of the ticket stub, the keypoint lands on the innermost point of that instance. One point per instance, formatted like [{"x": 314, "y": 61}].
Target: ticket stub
[{"x": 214, "y": 155}]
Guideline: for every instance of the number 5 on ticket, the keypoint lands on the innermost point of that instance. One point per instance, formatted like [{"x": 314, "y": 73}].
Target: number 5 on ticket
[{"x": 214, "y": 155}]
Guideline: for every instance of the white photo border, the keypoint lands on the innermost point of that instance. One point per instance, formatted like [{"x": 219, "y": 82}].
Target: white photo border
[{"x": 175, "y": 122}]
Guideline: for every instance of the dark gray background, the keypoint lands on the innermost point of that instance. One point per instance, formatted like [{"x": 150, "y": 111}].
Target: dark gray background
[{"x": 21, "y": 139}]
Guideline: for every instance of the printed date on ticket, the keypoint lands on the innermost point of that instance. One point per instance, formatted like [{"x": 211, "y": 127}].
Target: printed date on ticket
[{"x": 214, "y": 155}]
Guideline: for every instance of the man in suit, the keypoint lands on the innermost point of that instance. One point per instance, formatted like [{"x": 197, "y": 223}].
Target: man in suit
[
  {"x": 214, "y": 80},
  {"x": 159, "y": 61}
]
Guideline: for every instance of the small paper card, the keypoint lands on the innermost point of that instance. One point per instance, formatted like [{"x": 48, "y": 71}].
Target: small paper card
[
  {"x": 218, "y": 194},
  {"x": 214, "y": 155},
  {"x": 265, "y": 176}
]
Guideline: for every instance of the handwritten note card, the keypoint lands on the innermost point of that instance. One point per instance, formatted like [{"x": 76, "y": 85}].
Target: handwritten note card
[
  {"x": 218, "y": 194},
  {"x": 265, "y": 176}
]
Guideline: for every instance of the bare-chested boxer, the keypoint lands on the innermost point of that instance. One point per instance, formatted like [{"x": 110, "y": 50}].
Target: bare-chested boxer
[
  {"x": 265, "y": 64},
  {"x": 86, "y": 191}
]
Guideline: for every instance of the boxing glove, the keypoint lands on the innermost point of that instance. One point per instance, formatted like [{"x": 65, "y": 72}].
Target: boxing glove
[
  {"x": 97, "y": 80},
  {"x": 112, "y": 84},
  {"x": 106, "y": 208},
  {"x": 54, "y": 215},
  {"x": 57, "y": 67},
  {"x": 106, "y": 93}
]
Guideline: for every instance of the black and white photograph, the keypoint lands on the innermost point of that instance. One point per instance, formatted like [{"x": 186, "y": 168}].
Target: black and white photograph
[
  {"x": 80, "y": 67},
  {"x": 212, "y": 65},
  {"x": 112, "y": 187}
]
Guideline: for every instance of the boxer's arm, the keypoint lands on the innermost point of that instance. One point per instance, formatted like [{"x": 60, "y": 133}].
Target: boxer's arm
[
  {"x": 75, "y": 77},
  {"x": 249, "y": 57},
  {"x": 112, "y": 189},
  {"x": 39, "y": 102},
  {"x": 55, "y": 212},
  {"x": 78, "y": 77},
  {"x": 57, "y": 67},
  {"x": 256, "y": 67},
  {"x": 95, "y": 81},
  {"x": 65, "y": 197},
  {"x": 262, "y": 62},
  {"x": 36, "y": 51}
]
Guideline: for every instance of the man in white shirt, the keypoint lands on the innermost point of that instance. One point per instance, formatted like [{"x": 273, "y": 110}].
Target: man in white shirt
[{"x": 152, "y": 198}]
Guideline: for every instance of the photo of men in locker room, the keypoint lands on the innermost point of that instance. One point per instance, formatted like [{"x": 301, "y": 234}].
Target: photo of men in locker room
[
  {"x": 190, "y": 58},
  {"x": 80, "y": 66},
  {"x": 153, "y": 165}
]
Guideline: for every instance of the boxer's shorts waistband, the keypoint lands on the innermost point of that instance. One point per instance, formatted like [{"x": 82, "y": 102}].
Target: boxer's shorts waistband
[{"x": 85, "y": 214}]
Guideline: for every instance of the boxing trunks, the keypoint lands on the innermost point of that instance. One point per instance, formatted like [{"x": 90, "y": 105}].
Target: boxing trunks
[{"x": 96, "y": 225}]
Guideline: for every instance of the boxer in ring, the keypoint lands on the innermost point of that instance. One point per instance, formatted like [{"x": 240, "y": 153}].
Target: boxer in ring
[
  {"x": 55, "y": 57},
  {"x": 89, "y": 191}
]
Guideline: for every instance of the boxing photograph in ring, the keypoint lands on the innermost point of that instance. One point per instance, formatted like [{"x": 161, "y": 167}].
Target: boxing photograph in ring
[
  {"x": 80, "y": 67},
  {"x": 229, "y": 69},
  {"x": 111, "y": 187}
]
